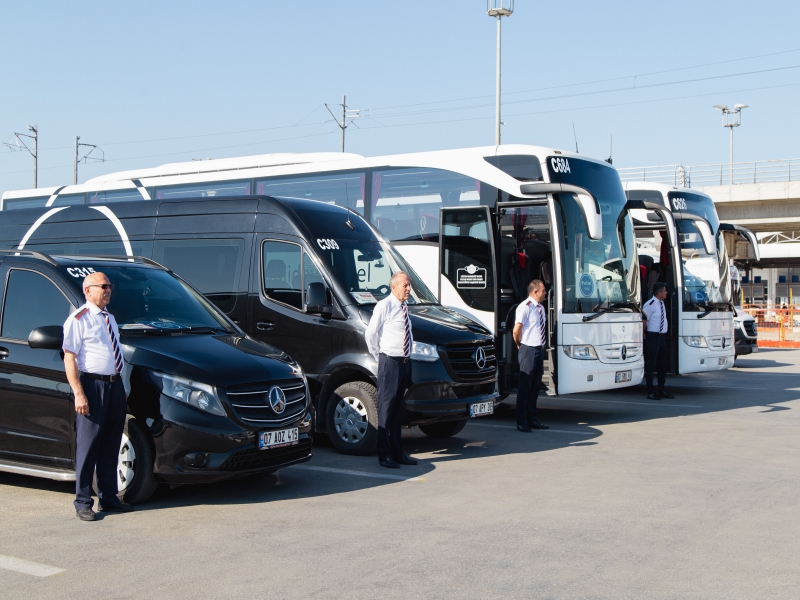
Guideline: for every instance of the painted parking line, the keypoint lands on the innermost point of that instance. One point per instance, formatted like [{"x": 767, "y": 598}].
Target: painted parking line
[
  {"x": 11, "y": 563},
  {"x": 357, "y": 473},
  {"x": 654, "y": 403},
  {"x": 542, "y": 430},
  {"x": 701, "y": 387}
]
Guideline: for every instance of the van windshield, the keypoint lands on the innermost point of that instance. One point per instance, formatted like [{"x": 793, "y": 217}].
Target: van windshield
[{"x": 150, "y": 300}]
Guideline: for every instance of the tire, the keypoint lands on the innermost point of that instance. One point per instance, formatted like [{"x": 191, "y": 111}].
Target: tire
[
  {"x": 445, "y": 429},
  {"x": 351, "y": 418},
  {"x": 135, "y": 464}
]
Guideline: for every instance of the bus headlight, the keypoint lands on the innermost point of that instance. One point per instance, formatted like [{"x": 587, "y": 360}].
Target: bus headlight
[
  {"x": 580, "y": 352},
  {"x": 695, "y": 341},
  {"x": 424, "y": 352}
]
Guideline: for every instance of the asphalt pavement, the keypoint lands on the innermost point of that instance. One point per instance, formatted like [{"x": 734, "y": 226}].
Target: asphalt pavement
[{"x": 623, "y": 497}]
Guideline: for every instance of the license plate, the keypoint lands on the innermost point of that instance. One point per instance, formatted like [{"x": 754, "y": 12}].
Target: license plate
[
  {"x": 622, "y": 376},
  {"x": 481, "y": 408},
  {"x": 276, "y": 439},
  {"x": 723, "y": 360}
]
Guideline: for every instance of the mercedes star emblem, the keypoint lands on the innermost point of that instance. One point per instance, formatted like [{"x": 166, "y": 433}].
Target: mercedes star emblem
[
  {"x": 480, "y": 358},
  {"x": 277, "y": 399}
]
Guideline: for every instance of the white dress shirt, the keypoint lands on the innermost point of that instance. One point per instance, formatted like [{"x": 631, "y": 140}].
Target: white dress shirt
[
  {"x": 654, "y": 310},
  {"x": 531, "y": 315},
  {"x": 386, "y": 331},
  {"x": 86, "y": 336}
]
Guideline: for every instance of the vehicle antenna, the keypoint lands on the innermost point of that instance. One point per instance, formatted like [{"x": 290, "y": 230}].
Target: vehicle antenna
[
  {"x": 575, "y": 135},
  {"x": 610, "y": 148},
  {"x": 347, "y": 205}
]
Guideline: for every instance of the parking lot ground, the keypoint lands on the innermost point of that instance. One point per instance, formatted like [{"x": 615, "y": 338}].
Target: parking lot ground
[{"x": 622, "y": 498}]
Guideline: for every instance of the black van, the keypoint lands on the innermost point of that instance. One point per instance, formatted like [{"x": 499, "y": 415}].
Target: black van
[
  {"x": 205, "y": 402},
  {"x": 303, "y": 276}
]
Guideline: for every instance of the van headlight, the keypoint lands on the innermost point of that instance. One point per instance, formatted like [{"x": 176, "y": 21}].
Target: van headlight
[
  {"x": 580, "y": 352},
  {"x": 424, "y": 352},
  {"x": 695, "y": 341},
  {"x": 193, "y": 393}
]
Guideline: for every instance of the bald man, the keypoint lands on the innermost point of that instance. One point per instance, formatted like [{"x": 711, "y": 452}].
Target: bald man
[{"x": 93, "y": 362}]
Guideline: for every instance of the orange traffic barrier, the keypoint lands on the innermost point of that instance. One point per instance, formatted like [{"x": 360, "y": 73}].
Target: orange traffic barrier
[{"x": 778, "y": 325}]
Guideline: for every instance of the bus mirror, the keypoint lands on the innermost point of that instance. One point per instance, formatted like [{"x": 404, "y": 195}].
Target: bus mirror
[
  {"x": 49, "y": 337},
  {"x": 663, "y": 213},
  {"x": 746, "y": 234},
  {"x": 317, "y": 299},
  {"x": 594, "y": 221}
]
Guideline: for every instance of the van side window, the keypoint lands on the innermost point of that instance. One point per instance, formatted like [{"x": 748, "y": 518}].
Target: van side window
[
  {"x": 31, "y": 301},
  {"x": 212, "y": 266},
  {"x": 287, "y": 271}
]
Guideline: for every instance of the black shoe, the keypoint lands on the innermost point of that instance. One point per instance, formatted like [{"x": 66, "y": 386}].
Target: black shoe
[
  {"x": 654, "y": 396},
  {"x": 664, "y": 394},
  {"x": 537, "y": 425},
  {"x": 389, "y": 463},
  {"x": 86, "y": 514},
  {"x": 523, "y": 428},
  {"x": 405, "y": 460},
  {"x": 120, "y": 507}
]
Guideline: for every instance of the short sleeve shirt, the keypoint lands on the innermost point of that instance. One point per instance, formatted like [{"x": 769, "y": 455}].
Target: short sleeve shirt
[
  {"x": 533, "y": 321},
  {"x": 656, "y": 315},
  {"x": 86, "y": 336}
]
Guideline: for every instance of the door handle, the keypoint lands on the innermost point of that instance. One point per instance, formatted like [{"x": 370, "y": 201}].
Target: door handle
[
  {"x": 265, "y": 325},
  {"x": 3, "y": 353}
]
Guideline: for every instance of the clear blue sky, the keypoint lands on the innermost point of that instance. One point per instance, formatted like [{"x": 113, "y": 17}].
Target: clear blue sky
[{"x": 238, "y": 78}]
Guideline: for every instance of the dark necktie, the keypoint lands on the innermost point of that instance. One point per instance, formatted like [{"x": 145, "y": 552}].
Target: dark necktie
[
  {"x": 541, "y": 323},
  {"x": 661, "y": 327},
  {"x": 114, "y": 345},
  {"x": 407, "y": 337}
]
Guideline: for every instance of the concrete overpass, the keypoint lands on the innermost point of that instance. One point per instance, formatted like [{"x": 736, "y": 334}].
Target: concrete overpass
[{"x": 763, "y": 196}]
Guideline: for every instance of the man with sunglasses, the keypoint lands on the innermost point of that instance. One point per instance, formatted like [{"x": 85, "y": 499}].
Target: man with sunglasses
[{"x": 93, "y": 362}]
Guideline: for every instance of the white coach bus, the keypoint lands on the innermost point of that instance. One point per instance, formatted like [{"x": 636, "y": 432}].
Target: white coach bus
[
  {"x": 476, "y": 224},
  {"x": 695, "y": 270}
]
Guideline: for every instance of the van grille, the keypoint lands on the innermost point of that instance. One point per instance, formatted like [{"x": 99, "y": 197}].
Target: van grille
[
  {"x": 750, "y": 328},
  {"x": 251, "y": 402},
  {"x": 461, "y": 361},
  {"x": 253, "y": 458}
]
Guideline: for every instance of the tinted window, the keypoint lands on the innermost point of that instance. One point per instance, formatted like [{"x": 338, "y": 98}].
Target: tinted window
[
  {"x": 102, "y": 197},
  {"x": 523, "y": 167},
  {"x": 697, "y": 205},
  {"x": 69, "y": 200},
  {"x": 31, "y": 301},
  {"x": 343, "y": 189},
  {"x": 282, "y": 268},
  {"x": 406, "y": 202},
  {"x": 647, "y": 195},
  {"x": 15, "y": 203},
  {"x": 205, "y": 190},
  {"x": 212, "y": 266}
]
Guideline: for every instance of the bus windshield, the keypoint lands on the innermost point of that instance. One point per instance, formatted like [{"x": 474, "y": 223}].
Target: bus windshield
[{"x": 597, "y": 274}]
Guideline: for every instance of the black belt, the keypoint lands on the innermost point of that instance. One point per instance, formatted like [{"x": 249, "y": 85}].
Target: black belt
[
  {"x": 109, "y": 378},
  {"x": 655, "y": 333},
  {"x": 534, "y": 347},
  {"x": 400, "y": 359}
]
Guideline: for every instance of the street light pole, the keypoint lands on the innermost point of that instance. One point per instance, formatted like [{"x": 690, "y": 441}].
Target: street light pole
[
  {"x": 498, "y": 9},
  {"x": 731, "y": 117}
]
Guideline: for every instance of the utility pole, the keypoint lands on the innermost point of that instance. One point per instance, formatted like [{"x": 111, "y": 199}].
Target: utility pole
[
  {"x": 15, "y": 147},
  {"x": 85, "y": 157},
  {"x": 731, "y": 118},
  {"x": 498, "y": 9},
  {"x": 347, "y": 113}
]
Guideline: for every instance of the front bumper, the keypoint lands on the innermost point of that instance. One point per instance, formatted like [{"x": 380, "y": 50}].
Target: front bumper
[
  {"x": 744, "y": 344},
  {"x": 594, "y": 375},
  {"x": 228, "y": 449},
  {"x": 434, "y": 401},
  {"x": 700, "y": 360}
]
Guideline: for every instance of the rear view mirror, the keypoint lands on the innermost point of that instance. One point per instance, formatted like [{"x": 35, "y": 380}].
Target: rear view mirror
[
  {"x": 317, "y": 299},
  {"x": 49, "y": 337}
]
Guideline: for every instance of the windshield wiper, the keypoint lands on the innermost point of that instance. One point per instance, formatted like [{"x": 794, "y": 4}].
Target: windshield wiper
[
  {"x": 204, "y": 329},
  {"x": 614, "y": 307},
  {"x": 714, "y": 306}
]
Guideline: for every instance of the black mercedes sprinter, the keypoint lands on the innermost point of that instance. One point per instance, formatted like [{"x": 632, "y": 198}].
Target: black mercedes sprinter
[
  {"x": 302, "y": 276},
  {"x": 205, "y": 402}
]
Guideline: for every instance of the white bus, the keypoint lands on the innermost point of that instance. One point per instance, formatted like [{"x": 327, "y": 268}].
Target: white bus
[
  {"x": 696, "y": 271},
  {"x": 476, "y": 224}
]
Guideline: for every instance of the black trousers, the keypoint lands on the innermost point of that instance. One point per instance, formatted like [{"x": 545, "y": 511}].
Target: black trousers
[
  {"x": 531, "y": 369},
  {"x": 98, "y": 437},
  {"x": 656, "y": 353},
  {"x": 394, "y": 377}
]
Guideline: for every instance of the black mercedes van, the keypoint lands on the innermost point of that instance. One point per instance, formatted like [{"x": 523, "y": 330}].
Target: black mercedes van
[
  {"x": 205, "y": 402},
  {"x": 302, "y": 276}
]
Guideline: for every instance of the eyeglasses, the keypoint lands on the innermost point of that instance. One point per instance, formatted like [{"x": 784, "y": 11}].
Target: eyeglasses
[{"x": 105, "y": 286}]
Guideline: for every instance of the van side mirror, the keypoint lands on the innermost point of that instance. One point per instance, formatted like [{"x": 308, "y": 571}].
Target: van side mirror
[
  {"x": 49, "y": 337},
  {"x": 317, "y": 299}
]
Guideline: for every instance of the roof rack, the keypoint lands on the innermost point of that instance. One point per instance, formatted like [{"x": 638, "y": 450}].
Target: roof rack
[
  {"x": 142, "y": 259},
  {"x": 33, "y": 253}
]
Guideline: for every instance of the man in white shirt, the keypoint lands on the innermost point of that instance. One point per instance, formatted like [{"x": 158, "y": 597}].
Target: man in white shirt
[
  {"x": 530, "y": 335},
  {"x": 656, "y": 350},
  {"x": 93, "y": 362},
  {"x": 390, "y": 341}
]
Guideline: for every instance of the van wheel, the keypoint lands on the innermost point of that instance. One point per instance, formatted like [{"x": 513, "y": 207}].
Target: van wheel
[
  {"x": 135, "y": 479},
  {"x": 444, "y": 429},
  {"x": 351, "y": 418}
]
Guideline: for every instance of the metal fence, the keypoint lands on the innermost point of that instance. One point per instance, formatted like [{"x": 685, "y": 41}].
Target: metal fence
[
  {"x": 762, "y": 171},
  {"x": 778, "y": 325}
]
